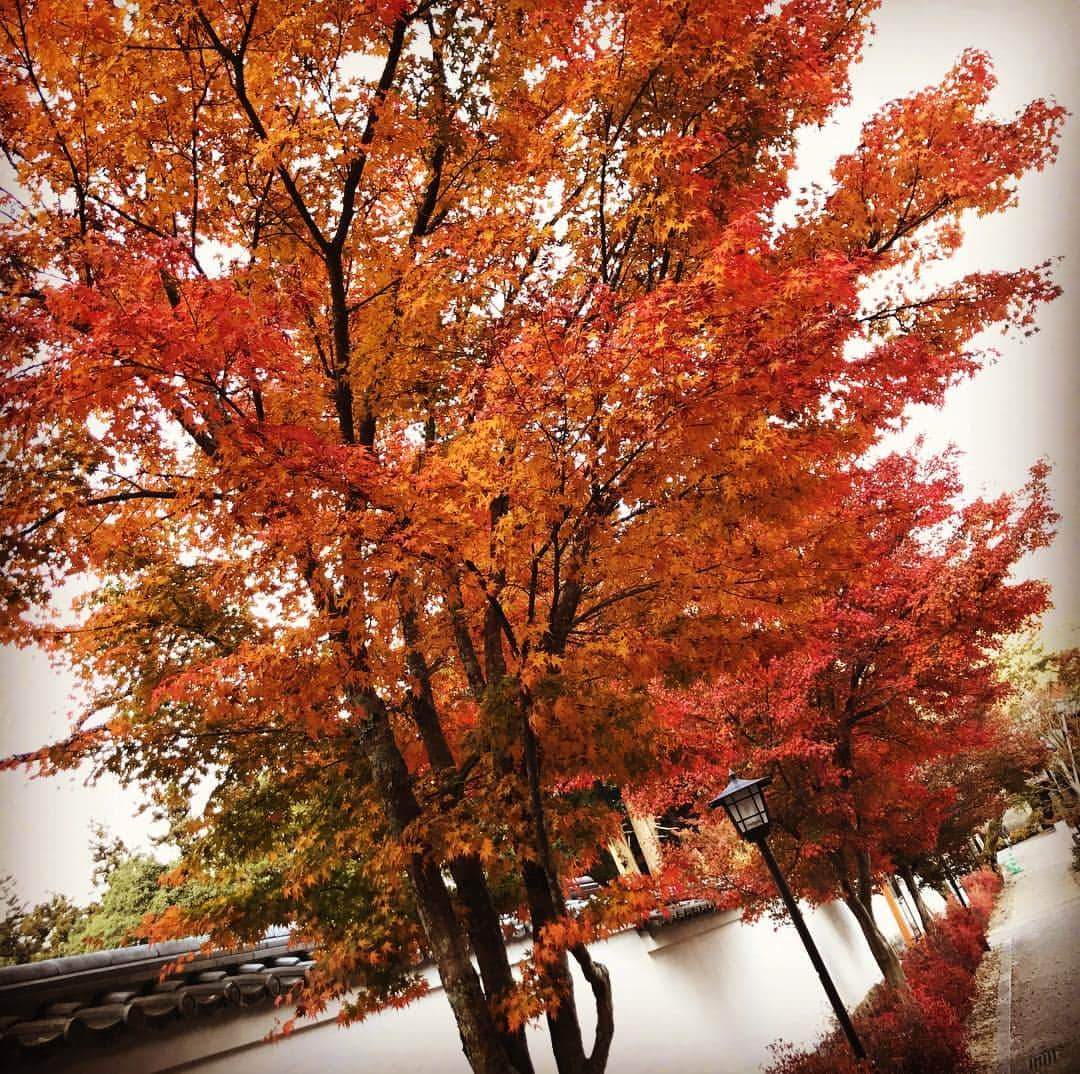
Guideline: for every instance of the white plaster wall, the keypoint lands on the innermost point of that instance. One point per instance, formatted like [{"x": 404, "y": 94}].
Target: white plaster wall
[{"x": 703, "y": 996}]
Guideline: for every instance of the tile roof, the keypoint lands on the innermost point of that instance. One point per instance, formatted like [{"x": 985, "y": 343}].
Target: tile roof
[{"x": 49, "y": 1006}]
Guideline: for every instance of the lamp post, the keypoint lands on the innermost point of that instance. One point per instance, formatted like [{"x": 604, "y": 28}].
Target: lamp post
[{"x": 744, "y": 802}]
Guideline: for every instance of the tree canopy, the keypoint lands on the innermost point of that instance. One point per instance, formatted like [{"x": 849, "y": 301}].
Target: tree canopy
[
  {"x": 423, "y": 382},
  {"x": 880, "y": 713}
]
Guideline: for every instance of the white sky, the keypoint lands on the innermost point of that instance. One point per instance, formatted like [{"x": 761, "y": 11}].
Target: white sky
[{"x": 1023, "y": 408}]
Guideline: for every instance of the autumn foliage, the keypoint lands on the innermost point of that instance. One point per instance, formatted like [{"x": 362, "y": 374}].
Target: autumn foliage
[
  {"x": 876, "y": 707},
  {"x": 422, "y": 384},
  {"x": 921, "y": 1029}
]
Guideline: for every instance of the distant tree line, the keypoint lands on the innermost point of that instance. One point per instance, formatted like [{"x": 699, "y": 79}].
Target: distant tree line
[{"x": 129, "y": 888}]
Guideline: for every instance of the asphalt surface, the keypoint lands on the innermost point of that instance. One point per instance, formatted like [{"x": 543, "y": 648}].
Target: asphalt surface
[{"x": 1038, "y": 935}]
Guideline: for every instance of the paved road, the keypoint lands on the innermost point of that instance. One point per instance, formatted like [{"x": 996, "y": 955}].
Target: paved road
[{"x": 1038, "y": 935}]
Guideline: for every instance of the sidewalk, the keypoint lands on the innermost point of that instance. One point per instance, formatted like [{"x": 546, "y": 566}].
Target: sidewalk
[{"x": 1038, "y": 937}]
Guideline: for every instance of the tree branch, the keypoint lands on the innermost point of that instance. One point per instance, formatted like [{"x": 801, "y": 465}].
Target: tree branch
[{"x": 99, "y": 501}]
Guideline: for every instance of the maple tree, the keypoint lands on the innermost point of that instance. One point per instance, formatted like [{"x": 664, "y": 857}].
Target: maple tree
[
  {"x": 980, "y": 783},
  {"x": 421, "y": 381},
  {"x": 984, "y": 783},
  {"x": 878, "y": 714}
]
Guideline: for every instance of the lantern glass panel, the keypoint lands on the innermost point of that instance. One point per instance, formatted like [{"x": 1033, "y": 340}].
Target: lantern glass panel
[
  {"x": 748, "y": 810},
  {"x": 744, "y": 802}
]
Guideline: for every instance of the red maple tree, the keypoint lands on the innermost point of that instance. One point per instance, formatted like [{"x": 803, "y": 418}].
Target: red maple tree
[
  {"x": 420, "y": 381},
  {"x": 860, "y": 708}
]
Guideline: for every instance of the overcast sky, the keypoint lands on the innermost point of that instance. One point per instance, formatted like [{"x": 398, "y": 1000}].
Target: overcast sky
[{"x": 1023, "y": 408}]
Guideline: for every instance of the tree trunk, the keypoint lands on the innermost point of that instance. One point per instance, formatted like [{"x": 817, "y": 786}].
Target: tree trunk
[
  {"x": 858, "y": 895},
  {"x": 546, "y": 904},
  {"x": 923, "y": 910},
  {"x": 957, "y": 888},
  {"x": 563, "y": 1025},
  {"x": 481, "y": 916},
  {"x": 489, "y": 946},
  {"x": 479, "y": 1034},
  {"x": 880, "y": 948}
]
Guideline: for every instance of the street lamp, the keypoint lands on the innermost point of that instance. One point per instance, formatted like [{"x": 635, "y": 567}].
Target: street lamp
[{"x": 744, "y": 802}]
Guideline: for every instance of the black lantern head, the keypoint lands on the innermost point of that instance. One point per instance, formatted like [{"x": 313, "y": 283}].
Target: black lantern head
[{"x": 744, "y": 802}]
